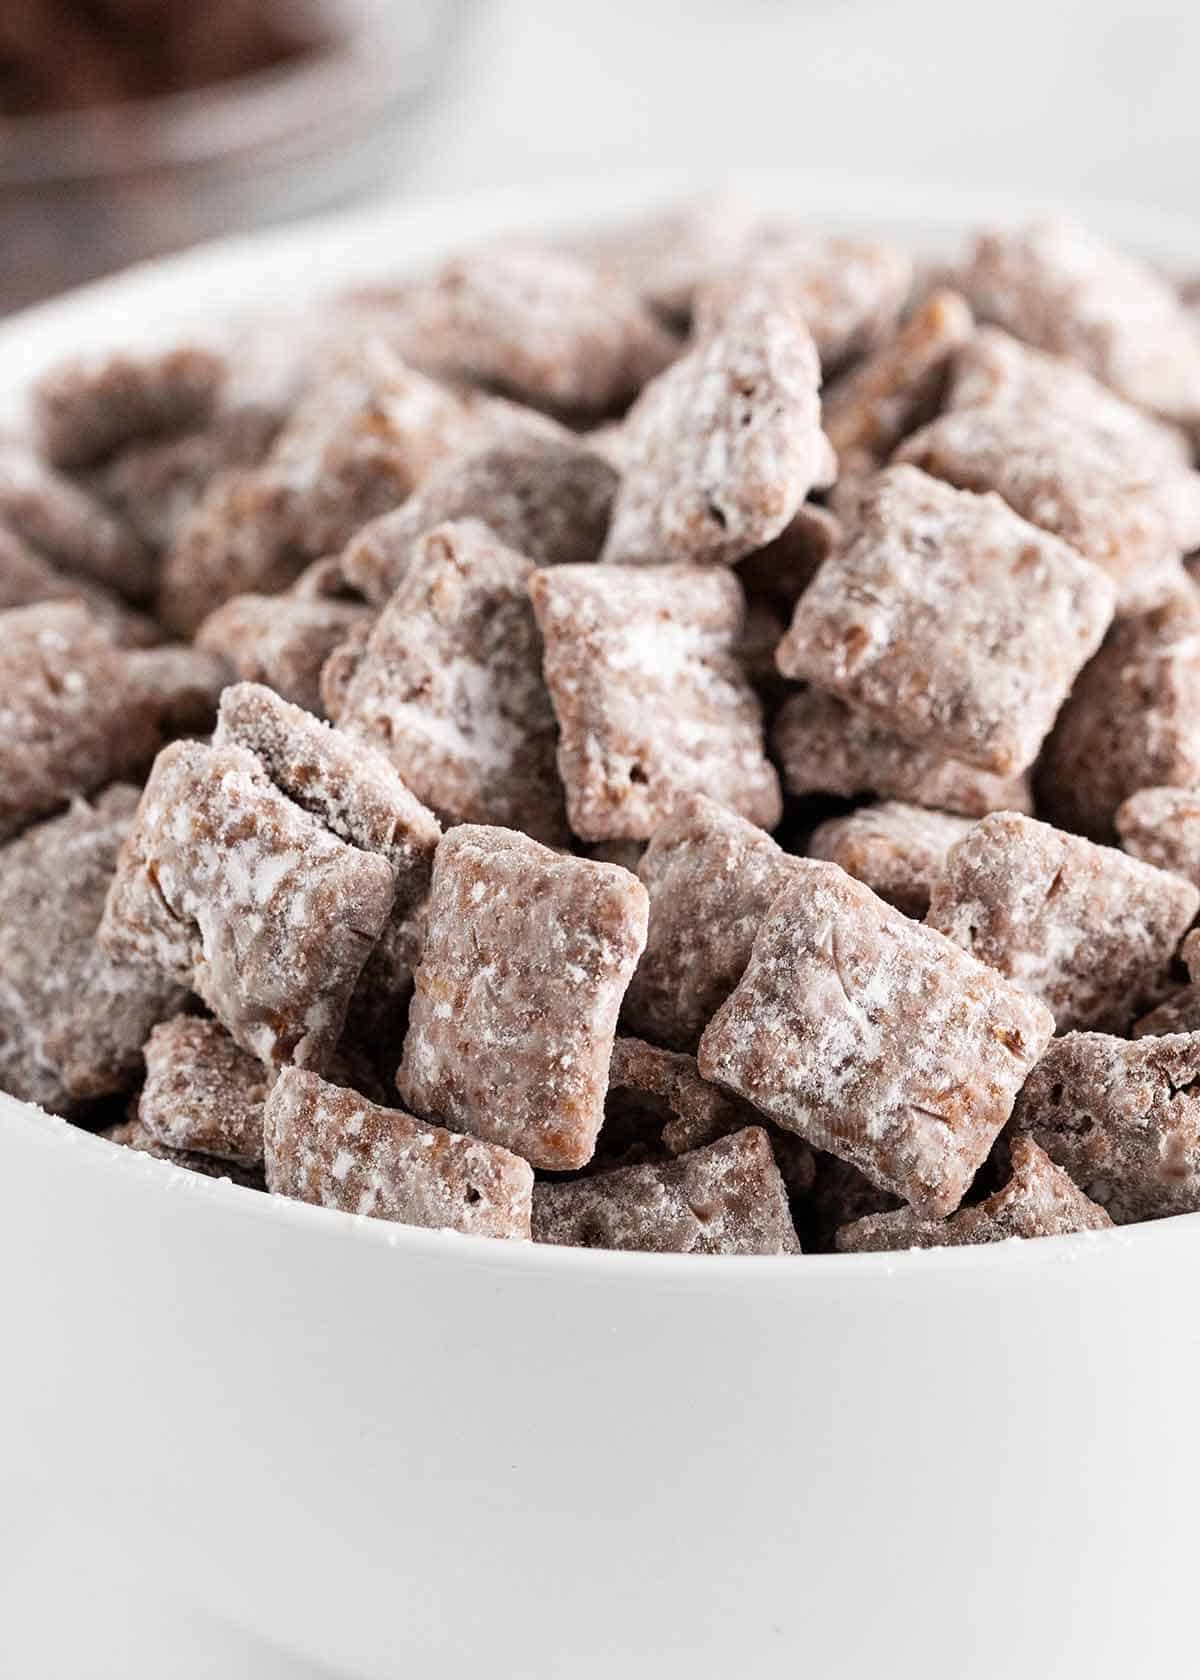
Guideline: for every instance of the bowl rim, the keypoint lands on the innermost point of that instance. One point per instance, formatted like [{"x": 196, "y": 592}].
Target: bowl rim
[{"x": 307, "y": 259}]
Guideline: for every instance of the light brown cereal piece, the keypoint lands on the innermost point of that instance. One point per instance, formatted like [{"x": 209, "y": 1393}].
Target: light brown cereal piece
[
  {"x": 868, "y": 411},
  {"x": 283, "y": 640},
  {"x": 711, "y": 876},
  {"x": 131, "y": 1134},
  {"x": 450, "y": 687},
  {"x": 72, "y": 1022},
  {"x": 1179, "y": 1014},
  {"x": 667, "y": 254},
  {"x": 1039, "y": 1200},
  {"x": 722, "y": 448},
  {"x": 725, "y": 1199},
  {"x": 651, "y": 703},
  {"x": 341, "y": 667},
  {"x": 332, "y": 1147},
  {"x": 875, "y": 1038},
  {"x": 240, "y": 894},
  {"x": 74, "y": 530},
  {"x": 1122, "y": 1118},
  {"x": 1084, "y": 928},
  {"x": 87, "y": 408},
  {"x": 538, "y": 325},
  {"x": 776, "y": 576},
  {"x": 664, "y": 1089},
  {"x": 951, "y": 621},
  {"x": 1132, "y": 720},
  {"x": 1161, "y": 825},
  {"x": 548, "y": 500},
  {"x": 1059, "y": 287},
  {"x": 823, "y": 746},
  {"x": 849, "y": 292},
  {"x": 527, "y": 956},
  {"x": 202, "y": 1093},
  {"x": 898, "y": 850},
  {"x": 27, "y": 578}
]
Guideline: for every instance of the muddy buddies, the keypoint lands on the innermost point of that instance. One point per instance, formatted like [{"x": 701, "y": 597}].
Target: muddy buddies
[{"x": 683, "y": 740}]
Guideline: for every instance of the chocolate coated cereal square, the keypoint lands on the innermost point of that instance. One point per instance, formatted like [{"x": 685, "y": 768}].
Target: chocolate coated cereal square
[
  {"x": 898, "y": 850},
  {"x": 202, "y": 1093},
  {"x": 88, "y": 408},
  {"x": 1161, "y": 825}
]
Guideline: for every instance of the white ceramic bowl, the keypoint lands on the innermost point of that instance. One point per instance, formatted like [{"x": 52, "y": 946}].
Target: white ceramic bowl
[{"x": 395, "y": 1452}]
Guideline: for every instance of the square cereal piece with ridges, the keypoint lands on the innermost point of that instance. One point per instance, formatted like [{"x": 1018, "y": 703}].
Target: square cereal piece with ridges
[
  {"x": 332, "y": 1147},
  {"x": 1122, "y": 1118},
  {"x": 527, "y": 956},
  {"x": 897, "y": 850},
  {"x": 60, "y": 519},
  {"x": 202, "y": 1093},
  {"x": 449, "y": 687},
  {"x": 549, "y": 500},
  {"x": 283, "y": 641},
  {"x": 825, "y": 746},
  {"x": 1088, "y": 930},
  {"x": 711, "y": 876},
  {"x": 951, "y": 620},
  {"x": 650, "y": 698},
  {"x": 1132, "y": 720},
  {"x": 727, "y": 1198},
  {"x": 235, "y": 891},
  {"x": 1039, "y": 1200},
  {"x": 86, "y": 409},
  {"x": 72, "y": 1021},
  {"x": 1057, "y": 286},
  {"x": 1161, "y": 825},
  {"x": 722, "y": 448},
  {"x": 875, "y": 1038}
]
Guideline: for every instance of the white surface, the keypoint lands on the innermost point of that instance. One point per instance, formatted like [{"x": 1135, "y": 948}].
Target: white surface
[{"x": 397, "y": 1452}]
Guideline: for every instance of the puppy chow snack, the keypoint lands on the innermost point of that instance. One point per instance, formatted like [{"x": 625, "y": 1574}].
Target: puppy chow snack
[
  {"x": 667, "y": 254},
  {"x": 663, "y": 1091},
  {"x": 898, "y": 850},
  {"x": 776, "y": 576},
  {"x": 549, "y": 500},
  {"x": 1039, "y": 1200},
  {"x": 60, "y": 519},
  {"x": 722, "y": 448},
  {"x": 951, "y": 621},
  {"x": 650, "y": 700},
  {"x": 449, "y": 687},
  {"x": 88, "y": 408},
  {"x": 131, "y": 1134},
  {"x": 824, "y": 746},
  {"x": 1179, "y": 1014},
  {"x": 839, "y": 1195},
  {"x": 1123, "y": 1119},
  {"x": 284, "y": 641},
  {"x": 1161, "y": 825},
  {"x": 875, "y": 1038},
  {"x": 72, "y": 1021},
  {"x": 1088, "y": 930},
  {"x": 727, "y": 1198},
  {"x": 328, "y": 1145},
  {"x": 202, "y": 1093},
  {"x": 27, "y": 578},
  {"x": 526, "y": 959}
]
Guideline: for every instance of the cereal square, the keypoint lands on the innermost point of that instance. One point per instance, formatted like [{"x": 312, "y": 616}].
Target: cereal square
[
  {"x": 1179, "y": 1014},
  {"x": 27, "y": 578},
  {"x": 202, "y": 1093},
  {"x": 284, "y": 640},
  {"x": 951, "y": 620},
  {"x": 650, "y": 699},
  {"x": 72, "y": 1021},
  {"x": 897, "y": 850},
  {"x": 88, "y": 408},
  {"x": 332, "y": 1147},
  {"x": 661, "y": 1094},
  {"x": 1161, "y": 825},
  {"x": 527, "y": 956},
  {"x": 450, "y": 687},
  {"x": 131, "y": 1134},
  {"x": 727, "y": 1198},
  {"x": 875, "y": 1038},
  {"x": 60, "y": 519},
  {"x": 1122, "y": 1118},
  {"x": 1084, "y": 928}
]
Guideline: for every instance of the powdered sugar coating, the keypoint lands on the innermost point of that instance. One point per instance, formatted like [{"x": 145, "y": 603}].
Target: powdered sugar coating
[
  {"x": 548, "y": 500},
  {"x": 666, "y": 255},
  {"x": 59, "y": 519},
  {"x": 650, "y": 699},
  {"x": 1039, "y": 1200},
  {"x": 824, "y": 746},
  {"x": 711, "y": 877},
  {"x": 666, "y": 1089},
  {"x": 202, "y": 1093},
  {"x": 27, "y": 578},
  {"x": 1179, "y": 1014},
  {"x": 897, "y": 850},
  {"x": 1122, "y": 1118},
  {"x": 1161, "y": 825},
  {"x": 527, "y": 956},
  {"x": 723, "y": 447},
  {"x": 233, "y": 890},
  {"x": 1132, "y": 720},
  {"x": 1084, "y": 928},
  {"x": 131, "y": 1134},
  {"x": 333, "y": 1147},
  {"x": 282, "y": 640},
  {"x": 875, "y": 1038},
  {"x": 449, "y": 687},
  {"x": 87, "y": 408},
  {"x": 725, "y": 1199},
  {"x": 72, "y": 1021},
  {"x": 1060, "y": 287},
  {"x": 950, "y": 620}
]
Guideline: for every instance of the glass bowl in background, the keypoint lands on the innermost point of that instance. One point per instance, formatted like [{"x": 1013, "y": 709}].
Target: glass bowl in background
[{"x": 85, "y": 192}]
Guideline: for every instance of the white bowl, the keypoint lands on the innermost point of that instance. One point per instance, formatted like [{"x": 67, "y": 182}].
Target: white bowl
[{"x": 399, "y": 1452}]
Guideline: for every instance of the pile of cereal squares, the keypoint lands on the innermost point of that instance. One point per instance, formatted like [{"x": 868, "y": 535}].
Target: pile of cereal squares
[{"x": 684, "y": 740}]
